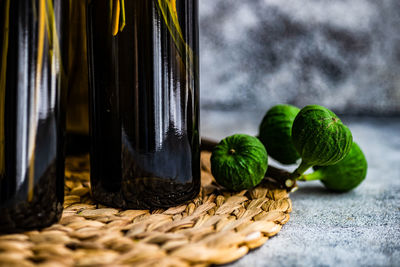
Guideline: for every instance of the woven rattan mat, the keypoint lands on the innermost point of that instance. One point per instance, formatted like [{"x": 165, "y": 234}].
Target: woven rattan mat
[{"x": 215, "y": 228}]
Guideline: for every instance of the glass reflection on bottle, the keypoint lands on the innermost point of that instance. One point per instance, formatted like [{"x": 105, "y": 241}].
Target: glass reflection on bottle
[
  {"x": 31, "y": 114},
  {"x": 143, "y": 61}
]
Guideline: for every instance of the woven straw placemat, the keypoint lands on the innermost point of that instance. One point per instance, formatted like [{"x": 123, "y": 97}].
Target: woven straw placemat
[{"x": 215, "y": 228}]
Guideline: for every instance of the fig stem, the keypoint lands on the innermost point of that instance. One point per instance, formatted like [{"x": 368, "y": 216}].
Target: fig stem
[
  {"x": 316, "y": 175},
  {"x": 304, "y": 166},
  {"x": 296, "y": 174}
]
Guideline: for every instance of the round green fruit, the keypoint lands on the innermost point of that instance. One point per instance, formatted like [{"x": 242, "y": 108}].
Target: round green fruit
[
  {"x": 239, "y": 162},
  {"x": 275, "y": 133},
  {"x": 320, "y": 137},
  {"x": 345, "y": 175}
]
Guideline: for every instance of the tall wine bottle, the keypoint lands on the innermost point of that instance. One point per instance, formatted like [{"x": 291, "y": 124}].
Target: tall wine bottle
[
  {"x": 31, "y": 114},
  {"x": 144, "y": 109}
]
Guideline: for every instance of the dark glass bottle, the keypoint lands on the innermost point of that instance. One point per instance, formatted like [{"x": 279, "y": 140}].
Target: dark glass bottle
[
  {"x": 31, "y": 115},
  {"x": 144, "y": 110}
]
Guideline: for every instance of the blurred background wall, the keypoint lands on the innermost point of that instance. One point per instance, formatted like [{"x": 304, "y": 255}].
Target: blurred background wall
[{"x": 343, "y": 54}]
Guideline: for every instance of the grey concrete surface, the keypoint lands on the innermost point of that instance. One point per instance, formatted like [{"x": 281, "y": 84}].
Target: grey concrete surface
[{"x": 359, "y": 228}]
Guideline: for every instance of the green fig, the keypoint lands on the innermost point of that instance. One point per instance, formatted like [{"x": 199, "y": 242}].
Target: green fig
[
  {"x": 239, "y": 162},
  {"x": 320, "y": 138},
  {"x": 343, "y": 176},
  {"x": 275, "y": 132}
]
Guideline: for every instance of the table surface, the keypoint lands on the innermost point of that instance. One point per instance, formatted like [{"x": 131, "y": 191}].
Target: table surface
[{"x": 358, "y": 228}]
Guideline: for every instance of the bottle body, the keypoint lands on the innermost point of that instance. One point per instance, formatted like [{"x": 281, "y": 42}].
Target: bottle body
[
  {"x": 31, "y": 115},
  {"x": 144, "y": 90},
  {"x": 77, "y": 100}
]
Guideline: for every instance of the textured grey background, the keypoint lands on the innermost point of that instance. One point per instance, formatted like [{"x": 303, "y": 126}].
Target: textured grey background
[{"x": 343, "y": 54}]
